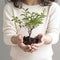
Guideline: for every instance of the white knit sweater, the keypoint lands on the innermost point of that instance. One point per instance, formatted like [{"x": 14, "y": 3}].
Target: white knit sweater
[{"x": 49, "y": 28}]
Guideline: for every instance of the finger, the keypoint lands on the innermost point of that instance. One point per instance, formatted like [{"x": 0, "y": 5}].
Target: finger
[
  {"x": 40, "y": 36},
  {"x": 24, "y": 47},
  {"x": 28, "y": 48},
  {"x": 34, "y": 47},
  {"x": 33, "y": 50},
  {"x": 20, "y": 38},
  {"x": 38, "y": 45}
]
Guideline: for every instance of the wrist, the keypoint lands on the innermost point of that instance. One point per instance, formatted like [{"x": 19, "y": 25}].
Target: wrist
[
  {"x": 47, "y": 40},
  {"x": 14, "y": 39}
]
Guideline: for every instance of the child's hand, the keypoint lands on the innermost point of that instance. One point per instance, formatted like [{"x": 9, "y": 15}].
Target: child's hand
[
  {"x": 36, "y": 46},
  {"x": 26, "y": 48}
]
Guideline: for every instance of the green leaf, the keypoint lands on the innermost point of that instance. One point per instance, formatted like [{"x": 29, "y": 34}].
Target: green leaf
[
  {"x": 30, "y": 19},
  {"x": 27, "y": 9}
]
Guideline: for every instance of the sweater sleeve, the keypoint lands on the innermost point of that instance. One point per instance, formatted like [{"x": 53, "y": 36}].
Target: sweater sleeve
[
  {"x": 8, "y": 25},
  {"x": 54, "y": 23}
]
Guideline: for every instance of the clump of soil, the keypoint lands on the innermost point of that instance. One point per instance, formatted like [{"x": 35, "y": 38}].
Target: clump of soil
[{"x": 30, "y": 41}]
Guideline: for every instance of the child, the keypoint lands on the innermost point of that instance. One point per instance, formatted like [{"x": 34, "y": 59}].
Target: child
[{"x": 13, "y": 34}]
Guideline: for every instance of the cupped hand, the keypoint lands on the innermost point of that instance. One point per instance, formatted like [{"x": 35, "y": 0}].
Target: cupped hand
[
  {"x": 29, "y": 48},
  {"x": 36, "y": 46},
  {"x": 26, "y": 48}
]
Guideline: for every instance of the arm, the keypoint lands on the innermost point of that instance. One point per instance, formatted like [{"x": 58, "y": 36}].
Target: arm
[
  {"x": 9, "y": 29},
  {"x": 52, "y": 35}
]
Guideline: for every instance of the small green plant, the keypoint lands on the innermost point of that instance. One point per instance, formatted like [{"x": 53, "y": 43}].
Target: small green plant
[{"x": 29, "y": 20}]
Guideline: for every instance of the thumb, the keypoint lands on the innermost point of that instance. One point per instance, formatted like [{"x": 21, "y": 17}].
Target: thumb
[
  {"x": 20, "y": 37},
  {"x": 39, "y": 37}
]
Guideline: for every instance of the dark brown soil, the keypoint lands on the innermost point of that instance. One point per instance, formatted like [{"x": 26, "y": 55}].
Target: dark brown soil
[{"x": 31, "y": 41}]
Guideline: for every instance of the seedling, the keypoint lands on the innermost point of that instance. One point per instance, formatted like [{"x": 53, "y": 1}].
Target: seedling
[{"x": 30, "y": 20}]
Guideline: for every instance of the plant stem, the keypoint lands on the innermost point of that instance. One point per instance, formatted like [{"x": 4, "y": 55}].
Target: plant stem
[{"x": 30, "y": 34}]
